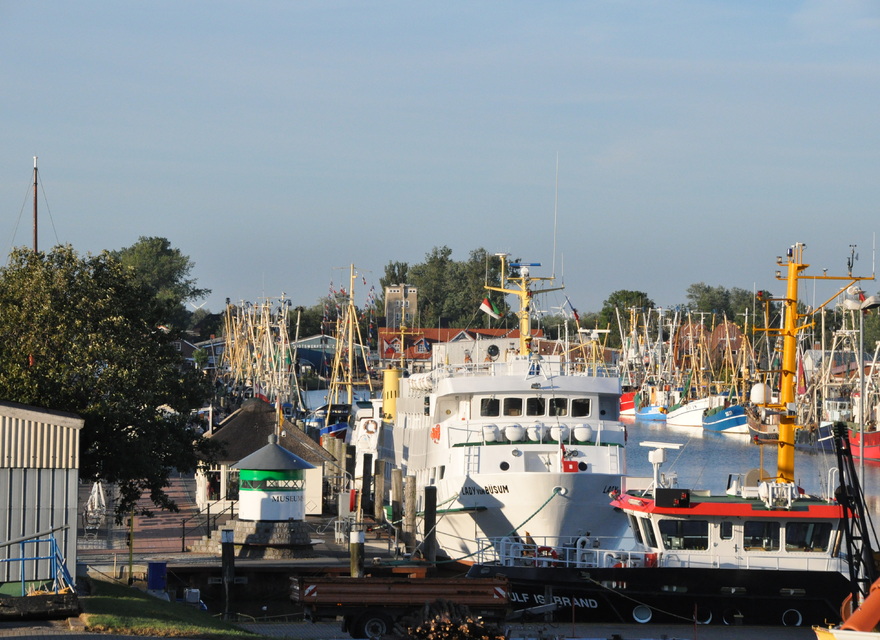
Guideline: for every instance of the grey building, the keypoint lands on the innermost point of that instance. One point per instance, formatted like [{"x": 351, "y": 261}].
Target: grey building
[{"x": 39, "y": 475}]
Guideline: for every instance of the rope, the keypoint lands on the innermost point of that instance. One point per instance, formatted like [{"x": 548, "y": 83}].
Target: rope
[
  {"x": 510, "y": 533},
  {"x": 639, "y": 602}
]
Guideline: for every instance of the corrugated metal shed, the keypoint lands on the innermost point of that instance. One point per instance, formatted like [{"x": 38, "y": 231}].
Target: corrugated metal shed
[{"x": 39, "y": 474}]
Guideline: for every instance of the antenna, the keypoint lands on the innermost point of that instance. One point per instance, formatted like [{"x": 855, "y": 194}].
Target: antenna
[{"x": 555, "y": 212}]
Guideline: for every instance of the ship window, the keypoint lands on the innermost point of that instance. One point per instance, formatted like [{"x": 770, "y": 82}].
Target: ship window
[
  {"x": 489, "y": 407},
  {"x": 580, "y": 407},
  {"x": 513, "y": 406},
  {"x": 535, "y": 406},
  {"x": 761, "y": 536},
  {"x": 692, "y": 535},
  {"x": 634, "y": 525},
  {"x": 807, "y": 536},
  {"x": 649, "y": 532},
  {"x": 558, "y": 407},
  {"x": 726, "y": 532}
]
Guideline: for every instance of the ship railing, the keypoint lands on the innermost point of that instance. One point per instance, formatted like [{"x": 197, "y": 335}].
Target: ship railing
[
  {"x": 764, "y": 561},
  {"x": 538, "y": 430},
  {"x": 594, "y": 552},
  {"x": 583, "y": 552}
]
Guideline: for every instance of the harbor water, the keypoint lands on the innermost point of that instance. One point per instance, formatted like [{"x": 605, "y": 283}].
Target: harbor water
[{"x": 706, "y": 459}]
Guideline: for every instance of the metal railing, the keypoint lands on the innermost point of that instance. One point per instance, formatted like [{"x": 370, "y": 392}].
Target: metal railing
[
  {"x": 206, "y": 521},
  {"x": 60, "y": 576}
]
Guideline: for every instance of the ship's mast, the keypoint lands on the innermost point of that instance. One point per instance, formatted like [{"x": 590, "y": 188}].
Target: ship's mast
[
  {"x": 35, "y": 204},
  {"x": 791, "y": 326},
  {"x": 523, "y": 281},
  {"x": 347, "y": 331}
]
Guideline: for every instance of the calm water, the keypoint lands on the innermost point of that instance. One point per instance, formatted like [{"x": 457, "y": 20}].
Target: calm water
[{"x": 706, "y": 459}]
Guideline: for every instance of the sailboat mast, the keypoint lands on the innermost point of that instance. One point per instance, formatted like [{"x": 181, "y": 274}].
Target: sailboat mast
[
  {"x": 350, "y": 320},
  {"x": 35, "y": 204}
]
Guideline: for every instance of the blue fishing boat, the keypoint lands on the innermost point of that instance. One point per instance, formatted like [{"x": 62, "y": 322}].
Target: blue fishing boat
[
  {"x": 652, "y": 413},
  {"x": 728, "y": 419}
]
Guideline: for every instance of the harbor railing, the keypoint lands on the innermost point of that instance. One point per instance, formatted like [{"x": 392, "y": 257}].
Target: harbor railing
[{"x": 204, "y": 520}]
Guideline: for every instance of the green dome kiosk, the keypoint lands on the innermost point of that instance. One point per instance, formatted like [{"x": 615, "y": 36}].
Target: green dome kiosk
[{"x": 272, "y": 484}]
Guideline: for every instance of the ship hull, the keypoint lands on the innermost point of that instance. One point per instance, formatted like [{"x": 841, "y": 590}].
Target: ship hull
[
  {"x": 730, "y": 420},
  {"x": 543, "y": 507},
  {"x": 677, "y": 594}
]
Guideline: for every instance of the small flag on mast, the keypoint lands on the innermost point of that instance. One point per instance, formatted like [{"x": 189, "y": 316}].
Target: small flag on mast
[
  {"x": 577, "y": 318},
  {"x": 489, "y": 307}
]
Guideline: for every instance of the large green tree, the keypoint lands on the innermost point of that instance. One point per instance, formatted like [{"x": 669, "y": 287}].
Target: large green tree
[
  {"x": 166, "y": 273},
  {"x": 450, "y": 291},
  {"x": 75, "y": 335}
]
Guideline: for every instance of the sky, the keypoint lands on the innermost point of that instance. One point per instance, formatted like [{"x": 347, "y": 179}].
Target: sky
[{"x": 632, "y": 144}]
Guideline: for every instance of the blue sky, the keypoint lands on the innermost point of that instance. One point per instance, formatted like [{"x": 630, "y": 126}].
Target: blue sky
[{"x": 275, "y": 143}]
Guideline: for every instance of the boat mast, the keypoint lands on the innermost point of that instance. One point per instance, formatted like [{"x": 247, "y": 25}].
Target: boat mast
[
  {"x": 347, "y": 331},
  {"x": 523, "y": 291},
  {"x": 35, "y": 204},
  {"x": 787, "y": 384},
  {"x": 789, "y": 329}
]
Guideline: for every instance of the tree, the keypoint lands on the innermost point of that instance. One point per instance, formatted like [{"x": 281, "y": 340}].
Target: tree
[
  {"x": 450, "y": 291},
  {"x": 165, "y": 272},
  {"x": 75, "y": 335},
  {"x": 432, "y": 280},
  {"x": 721, "y": 302},
  {"x": 621, "y": 301}
]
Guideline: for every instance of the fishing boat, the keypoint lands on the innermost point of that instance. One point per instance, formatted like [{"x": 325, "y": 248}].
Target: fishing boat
[
  {"x": 690, "y": 413},
  {"x": 763, "y": 552},
  {"x": 628, "y": 403},
  {"x": 516, "y": 442},
  {"x": 728, "y": 418}
]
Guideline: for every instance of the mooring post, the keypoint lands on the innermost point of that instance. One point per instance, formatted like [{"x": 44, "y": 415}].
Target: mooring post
[{"x": 356, "y": 550}]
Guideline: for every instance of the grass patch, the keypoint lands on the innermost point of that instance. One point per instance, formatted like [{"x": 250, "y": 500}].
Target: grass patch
[{"x": 117, "y": 608}]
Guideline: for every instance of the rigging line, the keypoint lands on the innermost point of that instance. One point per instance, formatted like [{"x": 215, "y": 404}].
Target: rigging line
[
  {"x": 511, "y": 532},
  {"x": 17, "y": 222},
  {"x": 631, "y": 599},
  {"x": 49, "y": 211}
]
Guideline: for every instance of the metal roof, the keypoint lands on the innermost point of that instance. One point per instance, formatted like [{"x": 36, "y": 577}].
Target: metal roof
[{"x": 272, "y": 457}]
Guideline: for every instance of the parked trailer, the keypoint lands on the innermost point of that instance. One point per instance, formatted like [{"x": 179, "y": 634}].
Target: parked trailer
[{"x": 371, "y": 606}]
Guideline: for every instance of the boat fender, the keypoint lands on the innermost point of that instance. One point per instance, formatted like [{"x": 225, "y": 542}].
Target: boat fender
[
  {"x": 642, "y": 614},
  {"x": 546, "y": 557},
  {"x": 371, "y": 427},
  {"x": 732, "y": 617},
  {"x": 792, "y": 618}
]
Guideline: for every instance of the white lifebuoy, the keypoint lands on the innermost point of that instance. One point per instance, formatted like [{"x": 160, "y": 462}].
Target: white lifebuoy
[{"x": 371, "y": 427}]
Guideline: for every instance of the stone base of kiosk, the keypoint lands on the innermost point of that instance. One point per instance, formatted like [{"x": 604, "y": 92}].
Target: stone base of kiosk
[{"x": 262, "y": 540}]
